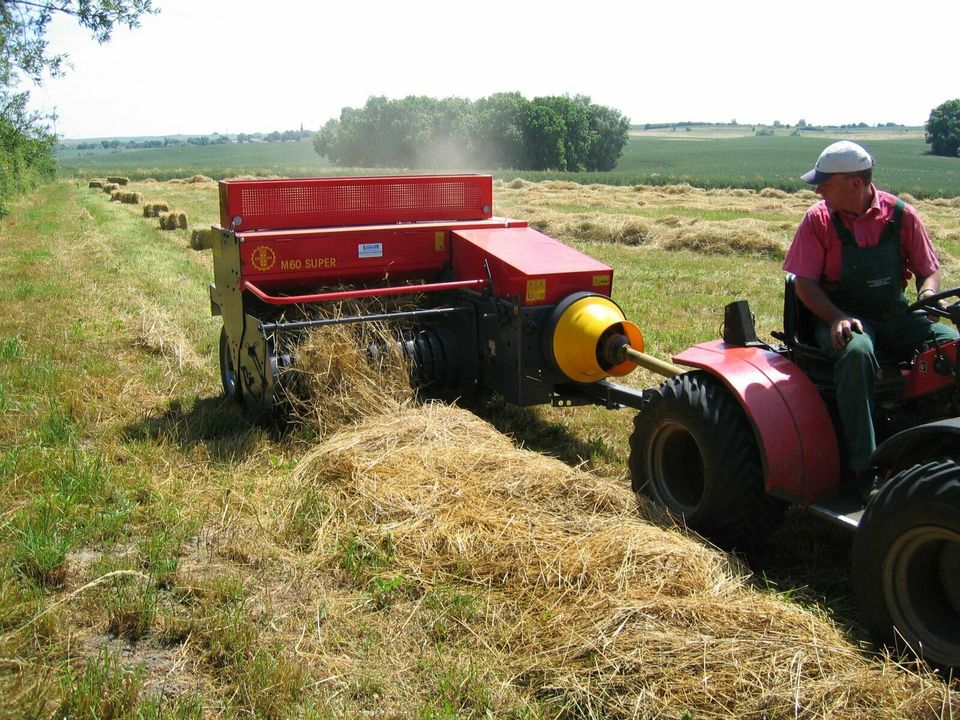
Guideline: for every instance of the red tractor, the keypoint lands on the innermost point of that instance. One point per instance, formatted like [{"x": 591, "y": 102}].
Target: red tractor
[{"x": 727, "y": 447}]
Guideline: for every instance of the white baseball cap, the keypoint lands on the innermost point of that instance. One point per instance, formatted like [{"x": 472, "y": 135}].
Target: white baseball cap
[{"x": 841, "y": 157}]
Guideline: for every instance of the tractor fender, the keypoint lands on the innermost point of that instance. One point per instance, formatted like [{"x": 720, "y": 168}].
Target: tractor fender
[
  {"x": 795, "y": 434},
  {"x": 918, "y": 443}
]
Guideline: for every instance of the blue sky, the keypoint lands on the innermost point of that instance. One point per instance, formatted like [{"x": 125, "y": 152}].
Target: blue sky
[{"x": 229, "y": 66}]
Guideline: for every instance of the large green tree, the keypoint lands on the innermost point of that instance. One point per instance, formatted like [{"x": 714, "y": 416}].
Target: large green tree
[
  {"x": 26, "y": 143},
  {"x": 943, "y": 129},
  {"x": 503, "y": 130}
]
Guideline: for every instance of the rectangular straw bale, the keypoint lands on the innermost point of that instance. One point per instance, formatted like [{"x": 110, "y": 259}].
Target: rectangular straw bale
[
  {"x": 110, "y": 187},
  {"x": 131, "y": 198},
  {"x": 201, "y": 239},
  {"x": 96, "y": 184},
  {"x": 154, "y": 209},
  {"x": 118, "y": 180}
]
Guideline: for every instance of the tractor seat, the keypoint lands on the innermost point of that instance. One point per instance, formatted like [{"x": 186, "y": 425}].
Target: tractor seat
[{"x": 798, "y": 335}]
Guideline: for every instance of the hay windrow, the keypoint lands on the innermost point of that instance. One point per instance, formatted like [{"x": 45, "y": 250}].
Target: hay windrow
[{"x": 585, "y": 598}]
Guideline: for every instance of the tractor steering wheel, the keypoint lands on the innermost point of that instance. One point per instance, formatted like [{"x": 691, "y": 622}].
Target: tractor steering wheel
[{"x": 929, "y": 305}]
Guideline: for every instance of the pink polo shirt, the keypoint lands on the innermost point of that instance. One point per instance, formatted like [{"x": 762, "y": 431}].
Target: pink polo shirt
[{"x": 816, "y": 249}]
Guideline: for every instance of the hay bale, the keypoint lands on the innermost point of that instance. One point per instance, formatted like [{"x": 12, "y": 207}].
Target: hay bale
[
  {"x": 115, "y": 196},
  {"x": 154, "y": 209},
  {"x": 168, "y": 221},
  {"x": 199, "y": 179},
  {"x": 182, "y": 221},
  {"x": 202, "y": 239},
  {"x": 118, "y": 180},
  {"x": 110, "y": 187},
  {"x": 96, "y": 183},
  {"x": 131, "y": 198}
]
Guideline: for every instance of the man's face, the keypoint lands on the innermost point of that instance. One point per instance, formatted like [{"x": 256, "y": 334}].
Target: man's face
[{"x": 842, "y": 191}]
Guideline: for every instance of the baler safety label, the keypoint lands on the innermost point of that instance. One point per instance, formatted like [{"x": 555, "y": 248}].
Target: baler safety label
[
  {"x": 536, "y": 290},
  {"x": 601, "y": 280},
  {"x": 370, "y": 250}
]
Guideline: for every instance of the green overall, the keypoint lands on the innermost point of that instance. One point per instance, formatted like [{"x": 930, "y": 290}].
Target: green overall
[{"x": 871, "y": 290}]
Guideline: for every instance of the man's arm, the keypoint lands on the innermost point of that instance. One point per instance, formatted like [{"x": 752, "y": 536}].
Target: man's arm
[
  {"x": 842, "y": 326},
  {"x": 930, "y": 285}
]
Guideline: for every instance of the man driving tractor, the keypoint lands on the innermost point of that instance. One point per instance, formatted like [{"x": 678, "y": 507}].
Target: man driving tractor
[{"x": 853, "y": 255}]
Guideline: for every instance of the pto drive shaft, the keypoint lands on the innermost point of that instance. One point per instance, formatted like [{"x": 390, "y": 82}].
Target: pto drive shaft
[{"x": 618, "y": 350}]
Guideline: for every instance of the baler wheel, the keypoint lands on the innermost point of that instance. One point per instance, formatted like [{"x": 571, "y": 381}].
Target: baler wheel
[
  {"x": 906, "y": 562},
  {"x": 228, "y": 374},
  {"x": 693, "y": 452}
]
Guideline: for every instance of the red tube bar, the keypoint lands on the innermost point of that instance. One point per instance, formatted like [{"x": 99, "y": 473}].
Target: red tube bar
[{"x": 368, "y": 292}]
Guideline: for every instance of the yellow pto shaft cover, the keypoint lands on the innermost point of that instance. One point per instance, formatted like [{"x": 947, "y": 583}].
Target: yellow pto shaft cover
[{"x": 583, "y": 331}]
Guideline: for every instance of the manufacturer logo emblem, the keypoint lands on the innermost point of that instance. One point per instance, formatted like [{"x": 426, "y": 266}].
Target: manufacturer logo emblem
[{"x": 263, "y": 258}]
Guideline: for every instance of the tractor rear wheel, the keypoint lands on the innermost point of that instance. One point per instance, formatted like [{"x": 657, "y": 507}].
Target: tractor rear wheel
[
  {"x": 228, "y": 373},
  {"x": 906, "y": 562},
  {"x": 693, "y": 452}
]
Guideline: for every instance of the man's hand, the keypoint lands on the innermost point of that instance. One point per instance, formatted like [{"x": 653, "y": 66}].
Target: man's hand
[
  {"x": 842, "y": 330},
  {"x": 842, "y": 326}
]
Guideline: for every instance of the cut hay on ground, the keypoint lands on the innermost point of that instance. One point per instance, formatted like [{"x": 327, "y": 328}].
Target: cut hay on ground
[
  {"x": 156, "y": 333},
  {"x": 586, "y": 602}
]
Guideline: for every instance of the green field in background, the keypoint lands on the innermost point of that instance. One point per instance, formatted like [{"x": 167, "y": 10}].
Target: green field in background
[{"x": 697, "y": 158}]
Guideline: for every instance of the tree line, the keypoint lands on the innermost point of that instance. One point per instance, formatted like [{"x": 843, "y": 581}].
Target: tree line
[
  {"x": 214, "y": 139},
  {"x": 503, "y": 130}
]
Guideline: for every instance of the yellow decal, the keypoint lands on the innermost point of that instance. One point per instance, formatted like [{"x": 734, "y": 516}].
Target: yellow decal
[
  {"x": 536, "y": 290},
  {"x": 263, "y": 258},
  {"x": 439, "y": 241},
  {"x": 601, "y": 280},
  {"x": 320, "y": 263}
]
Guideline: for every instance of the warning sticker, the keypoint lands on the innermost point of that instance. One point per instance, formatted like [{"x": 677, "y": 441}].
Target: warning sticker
[
  {"x": 601, "y": 280},
  {"x": 439, "y": 240},
  {"x": 370, "y": 250},
  {"x": 536, "y": 290}
]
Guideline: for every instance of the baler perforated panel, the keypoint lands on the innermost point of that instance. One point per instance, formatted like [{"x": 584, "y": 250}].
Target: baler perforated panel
[{"x": 334, "y": 202}]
